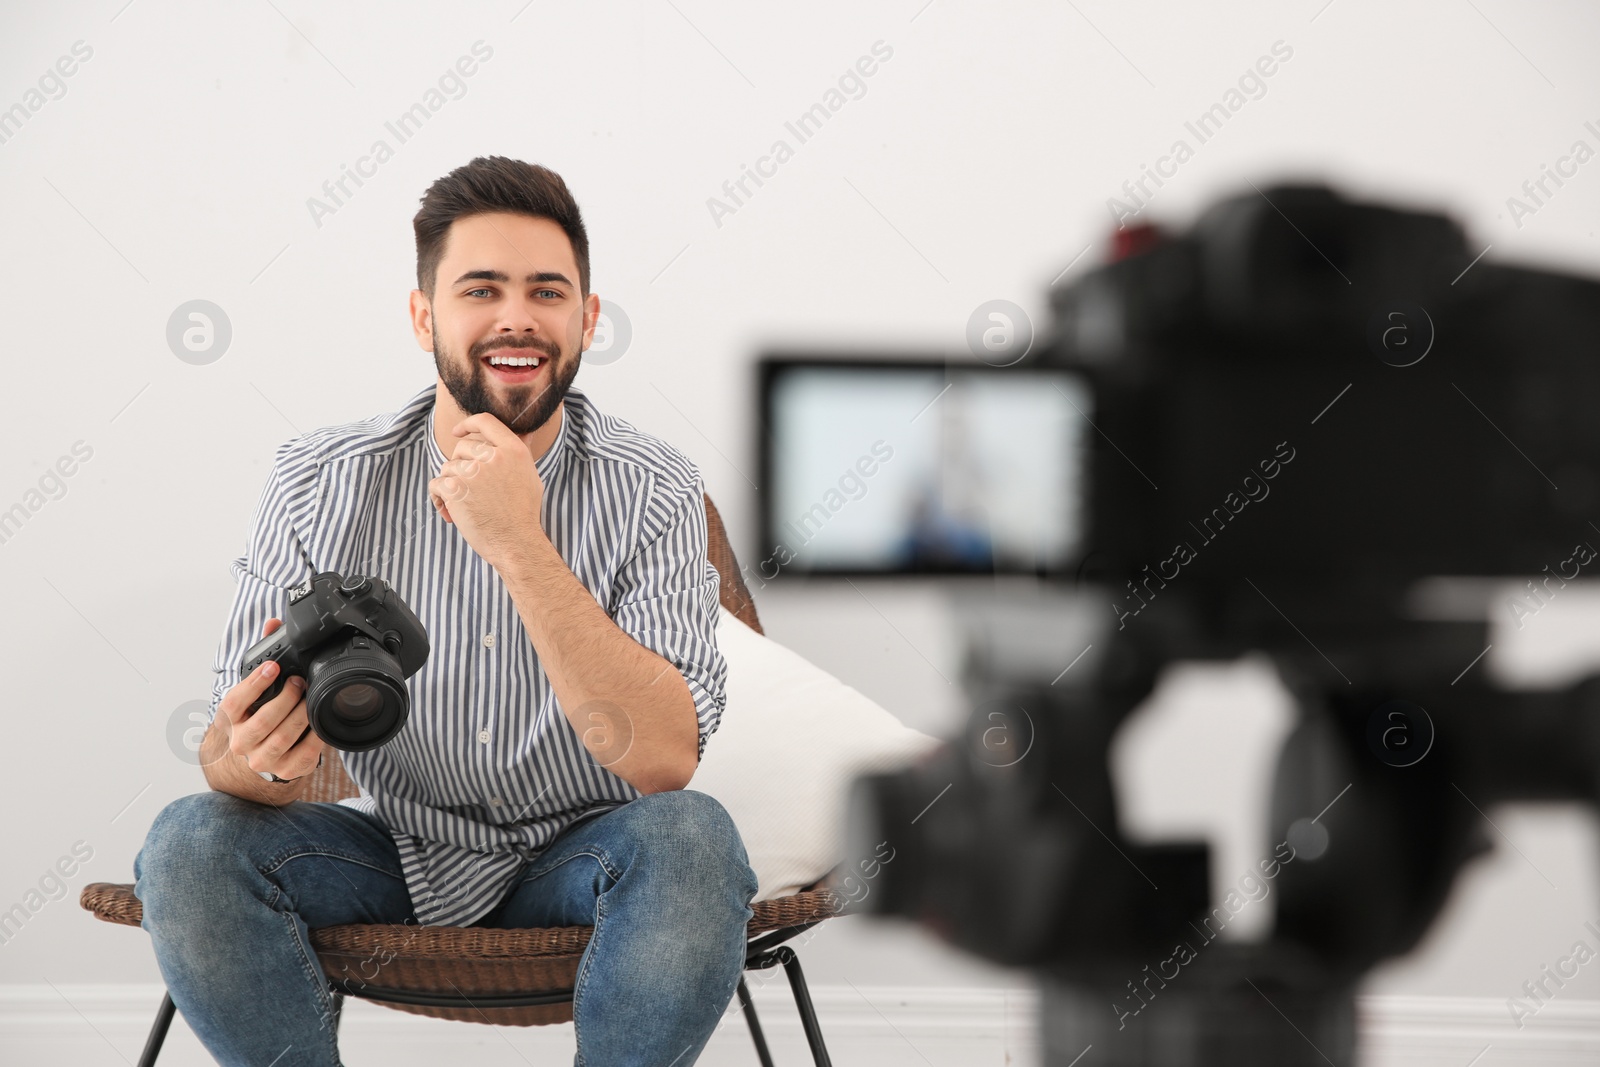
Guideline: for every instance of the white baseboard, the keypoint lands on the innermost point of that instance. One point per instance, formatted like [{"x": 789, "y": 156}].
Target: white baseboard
[
  {"x": 1424, "y": 1031},
  {"x": 46, "y": 1026}
]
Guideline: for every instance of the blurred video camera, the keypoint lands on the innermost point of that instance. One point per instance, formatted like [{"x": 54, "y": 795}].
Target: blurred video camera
[{"x": 1322, "y": 430}]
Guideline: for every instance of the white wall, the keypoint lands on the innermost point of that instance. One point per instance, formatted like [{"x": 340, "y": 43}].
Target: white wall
[{"x": 977, "y": 164}]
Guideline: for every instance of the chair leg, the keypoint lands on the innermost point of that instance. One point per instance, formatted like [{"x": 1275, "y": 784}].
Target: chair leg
[
  {"x": 158, "y": 1032},
  {"x": 755, "y": 1024},
  {"x": 802, "y": 1000}
]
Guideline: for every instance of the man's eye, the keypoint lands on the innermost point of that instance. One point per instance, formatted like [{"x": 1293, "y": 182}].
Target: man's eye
[{"x": 553, "y": 293}]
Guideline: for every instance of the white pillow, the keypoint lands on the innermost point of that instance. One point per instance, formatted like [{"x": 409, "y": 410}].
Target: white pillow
[{"x": 791, "y": 740}]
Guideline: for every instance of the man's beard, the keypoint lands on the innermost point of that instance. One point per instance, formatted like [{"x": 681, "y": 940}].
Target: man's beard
[{"x": 524, "y": 408}]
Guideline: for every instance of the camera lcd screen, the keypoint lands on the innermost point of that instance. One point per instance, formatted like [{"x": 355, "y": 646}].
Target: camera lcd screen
[{"x": 920, "y": 467}]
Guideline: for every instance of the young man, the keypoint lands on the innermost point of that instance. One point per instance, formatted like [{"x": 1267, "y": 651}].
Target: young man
[{"x": 557, "y": 558}]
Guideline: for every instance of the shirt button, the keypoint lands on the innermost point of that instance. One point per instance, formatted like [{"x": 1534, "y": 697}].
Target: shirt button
[
  {"x": 494, "y": 801},
  {"x": 488, "y": 640},
  {"x": 483, "y": 735}
]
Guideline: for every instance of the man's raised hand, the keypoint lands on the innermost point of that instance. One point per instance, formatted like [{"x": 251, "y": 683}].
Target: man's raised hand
[{"x": 489, "y": 487}]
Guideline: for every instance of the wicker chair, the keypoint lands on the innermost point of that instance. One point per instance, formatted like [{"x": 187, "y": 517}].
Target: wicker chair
[{"x": 499, "y": 976}]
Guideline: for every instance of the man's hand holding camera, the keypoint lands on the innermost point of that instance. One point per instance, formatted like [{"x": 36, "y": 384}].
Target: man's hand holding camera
[
  {"x": 277, "y": 738},
  {"x": 489, "y": 488}
]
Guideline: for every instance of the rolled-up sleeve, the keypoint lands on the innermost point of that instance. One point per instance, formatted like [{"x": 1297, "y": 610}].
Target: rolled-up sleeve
[
  {"x": 665, "y": 597},
  {"x": 274, "y": 562}
]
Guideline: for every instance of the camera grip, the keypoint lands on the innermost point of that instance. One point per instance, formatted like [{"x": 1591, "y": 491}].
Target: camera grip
[{"x": 268, "y": 693}]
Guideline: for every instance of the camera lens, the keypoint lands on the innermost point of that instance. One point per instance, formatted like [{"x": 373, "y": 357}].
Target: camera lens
[
  {"x": 356, "y": 697},
  {"x": 357, "y": 703}
]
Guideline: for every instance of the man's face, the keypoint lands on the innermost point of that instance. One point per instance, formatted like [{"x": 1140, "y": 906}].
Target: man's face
[{"x": 507, "y": 288}]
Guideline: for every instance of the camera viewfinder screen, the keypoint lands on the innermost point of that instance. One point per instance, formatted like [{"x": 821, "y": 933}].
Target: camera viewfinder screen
[{"x": 917, "y": 468}]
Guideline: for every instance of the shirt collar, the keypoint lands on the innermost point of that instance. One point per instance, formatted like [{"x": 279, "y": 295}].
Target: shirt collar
[{"x": 546, "y": 464}]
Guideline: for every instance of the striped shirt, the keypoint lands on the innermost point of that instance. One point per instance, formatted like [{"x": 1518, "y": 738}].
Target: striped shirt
[{"x": 487, "y": 769}]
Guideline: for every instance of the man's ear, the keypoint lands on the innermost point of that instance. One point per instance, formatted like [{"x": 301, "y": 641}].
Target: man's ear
[
  {"x": 421, "y": 310},
  {"x": 591, "y": 318}
]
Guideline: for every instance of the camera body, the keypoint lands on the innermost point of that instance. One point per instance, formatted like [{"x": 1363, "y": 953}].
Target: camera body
[
  {"x": 1323, "y": 429},
  {"x": 355, "y": 642}
]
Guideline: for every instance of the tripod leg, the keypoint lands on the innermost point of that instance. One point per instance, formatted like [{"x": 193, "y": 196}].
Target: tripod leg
[
  {"x": 802, "y": 1000},
  {"x": 158, "y": 1032},
  {"x": 755, "y": 1024}
]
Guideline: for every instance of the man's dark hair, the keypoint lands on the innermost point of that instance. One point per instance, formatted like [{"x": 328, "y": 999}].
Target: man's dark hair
[{"x": 495, "y": 183}]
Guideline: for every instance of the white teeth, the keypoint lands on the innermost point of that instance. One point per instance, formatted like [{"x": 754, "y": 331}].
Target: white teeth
[{"x": 516, "y": 361}]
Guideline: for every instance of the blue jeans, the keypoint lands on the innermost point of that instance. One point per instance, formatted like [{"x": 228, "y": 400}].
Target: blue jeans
[{"x": 230, "y": 889}]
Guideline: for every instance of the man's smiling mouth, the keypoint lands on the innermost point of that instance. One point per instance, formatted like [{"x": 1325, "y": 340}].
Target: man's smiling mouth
[{"x": 515, "y": 365}]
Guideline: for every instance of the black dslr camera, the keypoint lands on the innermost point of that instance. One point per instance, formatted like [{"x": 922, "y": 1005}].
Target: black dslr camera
[
  {"x": 1425, "y": 425},
  {"x": 355, "y": 642}
]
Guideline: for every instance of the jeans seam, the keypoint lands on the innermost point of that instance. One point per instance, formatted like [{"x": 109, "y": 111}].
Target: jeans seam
[
  {"x": 330, "y": 853},
  {"x": 597, "y": 855},
  {"x": 583, "y": 973},
  {"x": 325, "y": 998}
]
